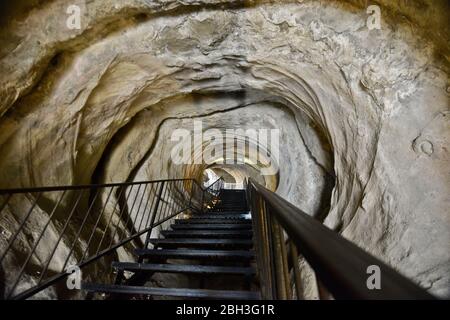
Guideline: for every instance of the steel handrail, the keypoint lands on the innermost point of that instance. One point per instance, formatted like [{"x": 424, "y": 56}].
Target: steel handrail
[
  {"x": 214, "y": 190},
  {"x": 339, "y": 264},
  {"x": 218, "y": 184},
  {"x": 140, "y": 206},
  {"x": 88, "y": 186}
]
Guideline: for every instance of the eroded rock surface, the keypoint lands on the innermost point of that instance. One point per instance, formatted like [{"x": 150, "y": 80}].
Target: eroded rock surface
[{"x": 363, "y": 111}]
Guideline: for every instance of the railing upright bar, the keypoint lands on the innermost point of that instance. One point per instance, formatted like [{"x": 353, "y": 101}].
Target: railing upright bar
[
  {"x": 119, "y": 218},
  {"x": 169, "y": 201},
  {"x": 179, "y": 195},
  {"x": 296, "y": 269},
  {"x": 38, "y": 240},
  {"x": 110, "y": 219},
  {"x": 85, "y": 218},
  {"x": 139, "y": 208},
  {"x": 174, "y": 196},
  {"x": 22, "y": 224},
  {"x": 130, "y": 213},
  {"x": 278, "y": 270},
  {"x": 66, "y": 224},
  {"x": 145, "y": 209},
  {"x": 271, "y": 249},
  {"x": 100, "y": 215},
  {"x": 154, "y": 200},
  {"x": 133, "y": 222},
  {"x": 162, "y": 205},
  {"x": 153, "y": 216},
  {"x": 339, "y": 264},
  {"x": 202, "y": 202},
  {"x": 170, "y": 205},
  {"x": 263, "y": 246},
  {"x": 172, "y": 201},
  {"x": 190, "y": 187},
  {"x": 285, "y": 265}
]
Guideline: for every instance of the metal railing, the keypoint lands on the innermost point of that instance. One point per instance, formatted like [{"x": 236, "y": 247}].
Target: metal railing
[
  {"x": 209, "y": 198},
  {"x": 43, "y": 231},
  {"x": 233, "y": 186},
  {"x": 282, "y": 231}
]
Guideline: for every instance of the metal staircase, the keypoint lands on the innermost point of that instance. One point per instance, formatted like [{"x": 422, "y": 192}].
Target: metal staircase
[
  {"x": 238, "y": 244},
  {"x": 215, "y": 243}
]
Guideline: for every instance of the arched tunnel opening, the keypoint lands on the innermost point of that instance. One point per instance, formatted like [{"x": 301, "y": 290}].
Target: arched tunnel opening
[{"x": 342, "y": 113}]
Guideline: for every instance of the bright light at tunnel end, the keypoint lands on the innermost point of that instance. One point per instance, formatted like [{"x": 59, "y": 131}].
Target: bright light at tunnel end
[{"x": 257, "y": 147}]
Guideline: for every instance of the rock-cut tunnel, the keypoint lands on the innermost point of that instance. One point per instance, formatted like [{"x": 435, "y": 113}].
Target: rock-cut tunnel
[{"x": 361, "y": 113}]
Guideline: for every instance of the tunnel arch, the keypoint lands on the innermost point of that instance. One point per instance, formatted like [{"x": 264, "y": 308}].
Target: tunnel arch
[{"x": 98, "y": 104}]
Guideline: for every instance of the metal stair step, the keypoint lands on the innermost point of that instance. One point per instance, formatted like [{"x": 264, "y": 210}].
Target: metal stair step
[
  {"x": 226, "y": 212},
  {"x": 183, "y": 268},
  {"x": 219, "y": 216},
  {"x": 201, "y": 243},
  {"x": 229, "y": 208},
  {"x": 207, "y": 233},
  {"x": 196, "y": 254},
  {"x": 173, "y": 292},
  {"x": 216, "y": 226},
  {"x": 213, "y": 221}
]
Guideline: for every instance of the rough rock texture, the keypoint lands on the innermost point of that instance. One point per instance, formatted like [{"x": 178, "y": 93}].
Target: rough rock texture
[{"x": 365, "y": 111}]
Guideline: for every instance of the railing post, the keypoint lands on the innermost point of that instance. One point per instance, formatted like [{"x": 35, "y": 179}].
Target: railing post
[
  {"x": 279, "y": 255},
  {"x": 343, "y": 272},
  {"x": 154, "y": 214},
  {"x": 155, "y": 210},
  {"x": 263, "y": 244},
  {"x": 202, "y": 204},
  {"x": 297, "y": 274},
  {"x": 191, "y": 195}
]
